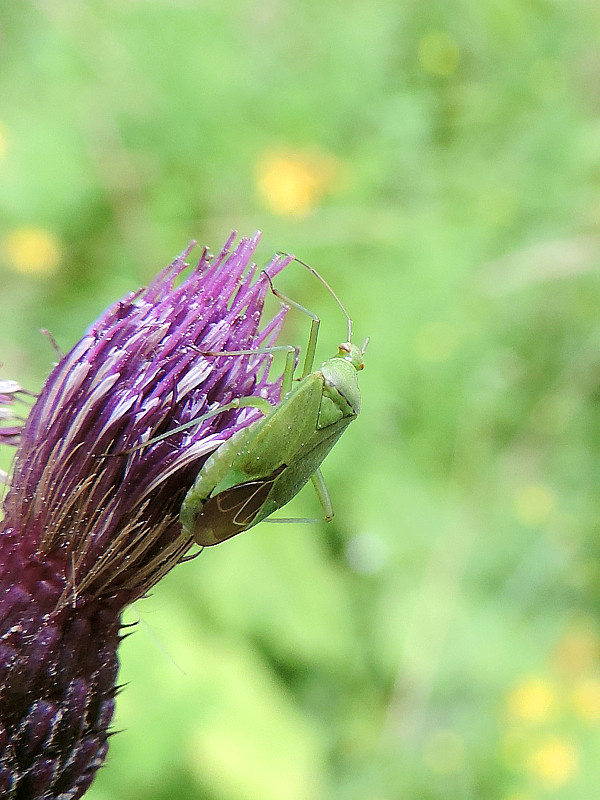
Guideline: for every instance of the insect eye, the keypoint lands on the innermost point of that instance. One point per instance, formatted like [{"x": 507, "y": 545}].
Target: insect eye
[{"x": 344, "y": 347}]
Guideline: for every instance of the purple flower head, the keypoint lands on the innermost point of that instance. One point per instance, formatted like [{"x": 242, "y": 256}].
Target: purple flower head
[
  {"x": 91, "y": 518},
  {"x": 11, "y": 422}
]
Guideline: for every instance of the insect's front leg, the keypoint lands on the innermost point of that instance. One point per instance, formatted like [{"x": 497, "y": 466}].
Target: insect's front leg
[
  {"x": 292, "y": 355},
  {"x": 311, "y": 347}
]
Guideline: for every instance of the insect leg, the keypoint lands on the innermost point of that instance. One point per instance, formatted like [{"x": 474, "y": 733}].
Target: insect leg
[
  {"x": 318, "y": 481},
  {"x": 241, "y": 402},
  {"x": 292, "y": 354},
  {"x": 323, "y": 495},
  {"x": 289, "y": 348},
  {"x": 311, "y": 347}
]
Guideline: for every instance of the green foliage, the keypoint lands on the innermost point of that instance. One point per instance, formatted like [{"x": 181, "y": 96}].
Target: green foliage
[{"x": 439, "y": 164}]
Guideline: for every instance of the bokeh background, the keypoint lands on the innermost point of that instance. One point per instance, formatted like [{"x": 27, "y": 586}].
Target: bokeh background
[{"x": 439, "y": 163}]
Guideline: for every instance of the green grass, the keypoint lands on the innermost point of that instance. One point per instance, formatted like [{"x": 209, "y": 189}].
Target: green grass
[{"x": 375, "y": 658}]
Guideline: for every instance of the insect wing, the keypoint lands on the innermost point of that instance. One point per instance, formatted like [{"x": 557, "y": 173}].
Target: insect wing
[
  {"x": 305, "y": 465},
  {"x": 233, "y": 510}
]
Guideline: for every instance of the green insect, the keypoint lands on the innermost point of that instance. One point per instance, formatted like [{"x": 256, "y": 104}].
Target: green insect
[{"x": 263, "y": 466}]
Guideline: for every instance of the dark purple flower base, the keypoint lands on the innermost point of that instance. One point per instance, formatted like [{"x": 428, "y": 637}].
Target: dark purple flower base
[{"x": 57, "y": 684}]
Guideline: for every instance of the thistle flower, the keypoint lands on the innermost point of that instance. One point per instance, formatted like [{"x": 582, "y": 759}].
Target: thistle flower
[{"x": 91, "y": 518}]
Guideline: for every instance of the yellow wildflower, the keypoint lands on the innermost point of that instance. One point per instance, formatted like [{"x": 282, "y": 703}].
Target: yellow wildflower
[{"x": 31, "y": 250}]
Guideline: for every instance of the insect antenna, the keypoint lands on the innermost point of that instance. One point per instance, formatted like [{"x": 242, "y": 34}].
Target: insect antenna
[{"x": 319, "y": 277}]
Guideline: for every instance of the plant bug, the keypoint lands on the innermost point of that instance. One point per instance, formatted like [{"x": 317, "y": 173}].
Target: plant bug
[{"x": 263, "y": 466}]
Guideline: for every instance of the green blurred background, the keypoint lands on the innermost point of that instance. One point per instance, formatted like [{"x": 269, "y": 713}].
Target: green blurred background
[{"x": 439, "y": 163}]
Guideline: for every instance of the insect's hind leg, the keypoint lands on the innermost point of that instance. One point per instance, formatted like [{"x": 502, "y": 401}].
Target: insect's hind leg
[
  {"x": 324, "y": 499},
  {"x": 318, "y": 481},
  {"x": 260, "y": 403}
]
